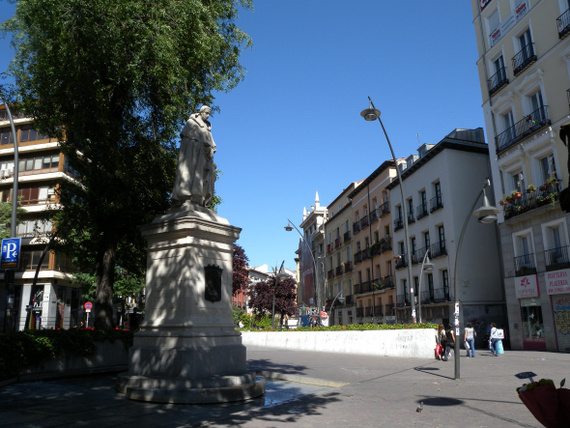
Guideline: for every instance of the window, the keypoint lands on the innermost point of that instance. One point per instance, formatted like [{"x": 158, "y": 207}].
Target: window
[
  {"x": 525, "y": 45},
  {"x": 427, "y": 241},
  {"x": 499, "y": 69},
  {"x": 531, "y": 314},
  {"x": 518, "y": 181},
  {"x": 5, "y": 137},
  {"x": 493, "y": 22},
  {"x": 441, "y": 236},
  {"x": 547, "y": 168}
]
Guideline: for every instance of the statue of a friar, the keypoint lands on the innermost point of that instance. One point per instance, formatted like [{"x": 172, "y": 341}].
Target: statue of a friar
[{"x": 196, "y": 171}]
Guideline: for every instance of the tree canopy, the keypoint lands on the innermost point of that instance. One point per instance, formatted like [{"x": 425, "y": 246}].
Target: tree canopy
[
  {"x": 240, "y": 271},
  {"x": 114, "y": 82},
  {"x": 261, "y": 297}
]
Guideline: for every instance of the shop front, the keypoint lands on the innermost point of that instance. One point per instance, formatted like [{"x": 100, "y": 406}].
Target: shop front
[
  {"x": 558, "y": 290},
  {"x": 528, "y": 295}
]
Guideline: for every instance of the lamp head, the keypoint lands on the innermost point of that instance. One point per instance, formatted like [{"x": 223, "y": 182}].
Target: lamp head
[
  {"x": 370, "y": 114},
  {"x": 288, "y": 228},
  {"x": 486, "y": 213},
  {"x": 428, "y": 266}
]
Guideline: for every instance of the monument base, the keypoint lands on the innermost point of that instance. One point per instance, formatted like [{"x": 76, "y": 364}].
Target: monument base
[
  {"x": 188, "y": 350},
  {"x": 218, "y": 389}
]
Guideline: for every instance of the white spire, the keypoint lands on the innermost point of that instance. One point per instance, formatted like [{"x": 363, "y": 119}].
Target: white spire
[{"x": 317, "y": 201}]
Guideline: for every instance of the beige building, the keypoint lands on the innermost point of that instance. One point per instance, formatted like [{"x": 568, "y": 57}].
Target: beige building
[
  {"x": 373, "y": 274},
  {"x": 524, "y": 72},
  {"x": 339, "y": 299},
  {"x": 51, "y": 300}
]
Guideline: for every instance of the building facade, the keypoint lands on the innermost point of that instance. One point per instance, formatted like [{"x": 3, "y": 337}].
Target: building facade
[
  {"x": 441, "y": 184},
  {"x": 524, "y": 72},
  {"x": 312, "y": 258},
  {"x": 50, "y": 300},
  {"x": 373, "y": 274},
  {"x": 339, "y": 298}
]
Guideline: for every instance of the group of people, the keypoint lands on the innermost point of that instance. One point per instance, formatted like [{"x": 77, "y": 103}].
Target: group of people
[{"x": 446, "y": 340}]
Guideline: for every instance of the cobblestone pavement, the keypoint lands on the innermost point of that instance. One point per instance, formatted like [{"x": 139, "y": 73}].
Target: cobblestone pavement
[{"x": 309, "y": 389}]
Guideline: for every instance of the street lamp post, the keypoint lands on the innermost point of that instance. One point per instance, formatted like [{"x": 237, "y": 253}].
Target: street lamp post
[
  {"x": 427, "y": 266},
  {"x": 485, "y": 214},
  {"x": 289, "y": 228},
  {"x": 371, "y": 114}
]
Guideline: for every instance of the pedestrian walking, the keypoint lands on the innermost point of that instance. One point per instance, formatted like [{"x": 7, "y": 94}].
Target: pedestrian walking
[
  {"x": 469, "y": 337},
  {"x": 449, "y": 342},
  {"x": 440, "y": 342},
  {"x": 493, "y": 339}
]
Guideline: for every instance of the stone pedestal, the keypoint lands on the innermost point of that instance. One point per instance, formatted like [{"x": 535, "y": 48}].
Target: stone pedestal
[{"x": 188, "y": 350}]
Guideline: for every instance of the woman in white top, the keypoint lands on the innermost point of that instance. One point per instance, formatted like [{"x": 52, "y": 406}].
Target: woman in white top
[
  {"x": 493, "y": 339},
  {"x": 470, "y": 340}
]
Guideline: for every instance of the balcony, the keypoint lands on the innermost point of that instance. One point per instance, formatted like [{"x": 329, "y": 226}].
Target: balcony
[
  {"x": 546, "y": 194},
  {"x": 389, "y": 309},
  {"x": 359, "y": 312},
  {"x": 402, "y": 300},
  {"x": 330, "y": 274},
  {"x": 411, "y": 218},
  {"x": 398, "y": 224},
  {"x": 385, "y": 209},
  {"x": 347, "y": 237},
  {"x": 378, "y": 311},
  {"x": 557, "y": 258},
  {"x": 339, "y": 271},
  {"x": 441, "y": 295},
  {"x": 355, "y": 227},
  {"x": 422, "y": 211},
  {"x": 373, "y": 216},
  {"x": 400, "y": 262},
  {"x": 437, "y": 250},
  {"x": 435, "y": 203},
  {"x": 364, "y": 222},
  {"x": 524, "y": 265},
  {"x": 337, "y": 243},
  {"x": 358, "y": 258},
  {"x": 386, "y": 282},
  {"x": 531, "y": 124},
  {"x": 348, "y": 300},
  {"x": 563, "y": 24},
  {"x": 524, "y": 58},
  {"x": 497, "y": 81},
  {"x": 347, "y": 267},
  {"x": 329, "y": 248}
]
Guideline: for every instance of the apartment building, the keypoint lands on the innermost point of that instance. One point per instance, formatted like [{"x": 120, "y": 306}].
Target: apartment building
[
  {"x": 339, "y": 302},
  {"x": 51, "y": 300},
  {"x": 441, "y": 184},
  {"x": 373, "y": 273},
  {"x": 312, "y": 257},
  {"x": 524, "y": 73}
]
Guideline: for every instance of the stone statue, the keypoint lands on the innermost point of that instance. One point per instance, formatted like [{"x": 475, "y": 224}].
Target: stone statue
[{"x": 196, "y": 171}]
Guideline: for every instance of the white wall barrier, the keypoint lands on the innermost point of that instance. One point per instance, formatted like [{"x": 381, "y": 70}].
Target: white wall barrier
[{"x": 407, "y": 343}]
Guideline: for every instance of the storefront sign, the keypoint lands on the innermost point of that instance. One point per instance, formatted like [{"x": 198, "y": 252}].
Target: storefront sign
[
  {"x": 484, "y": 3},
  {"x": 526, "y": 286},
  {"x": 557, "y": 281}
]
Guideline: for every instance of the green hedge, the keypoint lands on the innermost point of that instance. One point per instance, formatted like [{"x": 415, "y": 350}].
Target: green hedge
[{"x": 31, "y": 348}]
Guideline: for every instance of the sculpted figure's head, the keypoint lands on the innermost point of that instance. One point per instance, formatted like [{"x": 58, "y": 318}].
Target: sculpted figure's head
[{"x": 205, "y": 112}]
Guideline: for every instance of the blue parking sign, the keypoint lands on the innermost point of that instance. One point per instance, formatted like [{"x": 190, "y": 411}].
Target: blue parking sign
[{"x": 10, "y": 253}]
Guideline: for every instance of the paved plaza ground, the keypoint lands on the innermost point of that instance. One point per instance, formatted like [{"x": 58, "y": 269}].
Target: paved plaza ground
[{"x": 309, "y": 389}]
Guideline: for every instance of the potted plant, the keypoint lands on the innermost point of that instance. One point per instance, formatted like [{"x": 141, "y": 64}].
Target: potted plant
[
  {"x": 531, "y": 188},
  {"x": 515, "y": 194},
  {"x": 548, "y": 404}
]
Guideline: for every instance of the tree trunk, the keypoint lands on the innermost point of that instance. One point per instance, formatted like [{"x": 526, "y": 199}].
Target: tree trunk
[{"x": 105, "y": 277}]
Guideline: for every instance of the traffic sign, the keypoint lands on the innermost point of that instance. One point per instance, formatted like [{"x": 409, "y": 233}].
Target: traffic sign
[
  {"x": 88, "y": 306},
  {"x": 10, "y": 258}
]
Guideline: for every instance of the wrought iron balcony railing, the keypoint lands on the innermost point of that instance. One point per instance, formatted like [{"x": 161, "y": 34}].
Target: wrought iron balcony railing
[
  {"x": 384, "y": 209},
  {"x": 435, "y": 203},
  {"x": 422, "y": 211},
  {"x": 530, "y": 124},
  {"x": 497, "y": 81},
  {"x": 347, "y": 237},
  {"x": 524, "y": 265},
  {"x": 563, "y": 24},
  {"x": 531, "y": 199},
  {"x": 373, "y": 215},
  {"x": 557, "y": 258},
  {"x": 438, "y": 249},
  {"x": 524, "y": 58}
]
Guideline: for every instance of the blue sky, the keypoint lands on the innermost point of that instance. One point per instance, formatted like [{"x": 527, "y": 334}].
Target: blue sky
[{"x": 293, "y": 126}]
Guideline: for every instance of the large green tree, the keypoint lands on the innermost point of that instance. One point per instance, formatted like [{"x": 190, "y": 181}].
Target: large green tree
[{"x": 114, "y": 81}]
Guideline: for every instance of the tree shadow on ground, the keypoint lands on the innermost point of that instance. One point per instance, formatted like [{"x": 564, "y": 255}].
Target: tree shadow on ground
[{"x": 267, "y": 365}]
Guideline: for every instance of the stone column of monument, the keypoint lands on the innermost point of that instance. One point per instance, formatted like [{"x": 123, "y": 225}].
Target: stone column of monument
[{"x": 188, "y": 350}]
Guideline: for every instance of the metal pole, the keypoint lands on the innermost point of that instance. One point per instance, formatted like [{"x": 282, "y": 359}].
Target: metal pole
[
  {"x": 420, "y": 288},
  {"x": 16, "y": 167},
  {"x": 456, "y": 349},
  {"x": 405, "y": 214}
]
